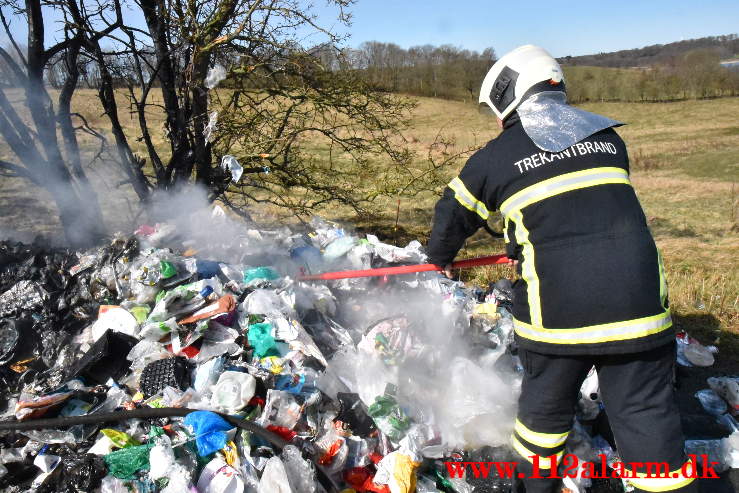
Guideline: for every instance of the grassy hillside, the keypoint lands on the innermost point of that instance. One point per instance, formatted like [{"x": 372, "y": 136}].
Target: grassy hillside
[{"x": 685, "y": 170}]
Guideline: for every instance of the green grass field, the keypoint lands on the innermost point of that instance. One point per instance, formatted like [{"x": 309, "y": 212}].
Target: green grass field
[{"x": 685, "y": 168}]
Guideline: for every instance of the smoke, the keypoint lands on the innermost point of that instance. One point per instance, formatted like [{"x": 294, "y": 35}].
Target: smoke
[
  {"x": 416, "y": 336},
  {"x": 448, "y": 381}
]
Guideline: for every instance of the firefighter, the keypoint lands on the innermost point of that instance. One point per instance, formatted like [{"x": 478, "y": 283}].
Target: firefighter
[{"x": 591, "y": 288}]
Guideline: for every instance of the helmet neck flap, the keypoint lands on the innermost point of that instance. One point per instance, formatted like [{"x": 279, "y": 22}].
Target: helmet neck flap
[{"x": 530, "y": 82}]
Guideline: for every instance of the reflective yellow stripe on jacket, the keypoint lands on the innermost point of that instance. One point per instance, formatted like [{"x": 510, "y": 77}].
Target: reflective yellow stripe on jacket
[
  {"x": 616, "y": 331},
  {"x": 468, "y": 200},
  {"x": 561, "y": 184},
  {"x": 512, "y": 211}
]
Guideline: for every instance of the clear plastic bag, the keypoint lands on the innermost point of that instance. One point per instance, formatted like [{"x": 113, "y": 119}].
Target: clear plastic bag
[
  {"x": 713, "y": 450},
  {"x": 274, "y": 478},
  {"x": 51, "y": 436},
  {"x": 280, "y": 409},
  {"x": 265, "y": 302},
  {"x": 300, "y": 472}
]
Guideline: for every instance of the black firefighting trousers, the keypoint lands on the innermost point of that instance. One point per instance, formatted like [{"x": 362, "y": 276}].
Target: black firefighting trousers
[{"x": 637, "y": 392}]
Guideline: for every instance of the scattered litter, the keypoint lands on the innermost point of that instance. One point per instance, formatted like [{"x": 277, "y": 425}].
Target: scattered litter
[
  {"x": 231, "y": 164},
  {"x": 690, "y": 352},
  {"x": 211, "y": 127},
  {"x": 215, "y": 75},
  {"x": 358, "y": 383}
]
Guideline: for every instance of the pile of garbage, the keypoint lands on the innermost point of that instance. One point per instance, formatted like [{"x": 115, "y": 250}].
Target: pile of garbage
[{"x": 164, "y": 362}]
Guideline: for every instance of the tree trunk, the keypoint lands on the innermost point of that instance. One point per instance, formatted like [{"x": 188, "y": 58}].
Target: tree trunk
[
  {"x": 181, "y": 162},
  {"x": 199, "y": 96},
  {"x": 129, "y": 163},
  {"x": 76, "y": 201}
]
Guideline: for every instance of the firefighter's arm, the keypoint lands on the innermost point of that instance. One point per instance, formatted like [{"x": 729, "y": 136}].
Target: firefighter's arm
[
  {"x": 453, "y": 224},
  {"x": 460, "y": 212}
]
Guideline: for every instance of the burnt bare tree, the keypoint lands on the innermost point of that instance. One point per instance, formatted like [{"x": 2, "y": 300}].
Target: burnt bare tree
[
  {"x": 293, "y": 110},
  {"x": 43, "y": 158}
]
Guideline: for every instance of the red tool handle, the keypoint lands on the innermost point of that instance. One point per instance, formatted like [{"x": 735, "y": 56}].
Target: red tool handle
[{"x": 405, "y": 269}]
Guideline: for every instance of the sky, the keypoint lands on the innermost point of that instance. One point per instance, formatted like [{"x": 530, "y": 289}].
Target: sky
[{"x": 563, "y": 28}]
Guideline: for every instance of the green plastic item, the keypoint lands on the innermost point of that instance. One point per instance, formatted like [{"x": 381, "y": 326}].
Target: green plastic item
[
  {"x": 155, "y": 431},
  {"x": 140, "y": 312},
  {"x": 382, "y": 406},
  {"x": 167, "y": 269},
  {"x": 161, "y": 294},
  {"x": 120, "y": 439},
  {"x": 126, "y": 462},
  {"x": 260, "y": 338},
  {"x": 260, "y": 273},
  {"x": 389, "y": 418},
  {"x": 442, "y": 482}
]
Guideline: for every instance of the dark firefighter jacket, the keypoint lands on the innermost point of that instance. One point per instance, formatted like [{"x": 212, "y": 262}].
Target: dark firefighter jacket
[{"x": 591, "y": 278}]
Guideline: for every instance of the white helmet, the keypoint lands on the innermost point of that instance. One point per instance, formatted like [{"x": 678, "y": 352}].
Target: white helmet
[{"x": 509, "y": 80}]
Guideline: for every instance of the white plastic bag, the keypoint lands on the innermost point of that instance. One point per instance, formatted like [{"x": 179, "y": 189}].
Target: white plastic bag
[
  {"x": 219, "y": 477},
  {"x": 161, "y": 458},
  {"x": 215, "y": 75},
  {"x": 230, "y": 163},
  {"x": 233, "y": 391}
]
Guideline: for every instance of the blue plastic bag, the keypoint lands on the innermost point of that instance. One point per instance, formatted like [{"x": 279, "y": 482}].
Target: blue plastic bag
[{"x": 210, "y": 431}]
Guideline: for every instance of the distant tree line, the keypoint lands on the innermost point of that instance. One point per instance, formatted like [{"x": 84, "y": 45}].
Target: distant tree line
[
  {"x": 696, "y": 74},
  {"x": 436, "y": 71},
  {"x": 455, "y": 73},
  {"x": 724, "y": 46},
  {"x": 676, "y": 71}
]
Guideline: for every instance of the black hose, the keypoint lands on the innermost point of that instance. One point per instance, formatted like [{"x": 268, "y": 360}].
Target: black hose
[
  {"x": 166, "y": 412},
  {"x": 143, "y": 413}
]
